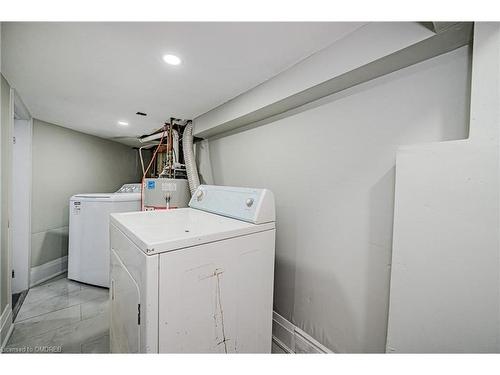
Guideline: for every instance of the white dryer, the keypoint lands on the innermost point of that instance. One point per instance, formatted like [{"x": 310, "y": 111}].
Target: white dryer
[
  {"x": 197, "y": 279},
  {"x": 88, "y": 250}
]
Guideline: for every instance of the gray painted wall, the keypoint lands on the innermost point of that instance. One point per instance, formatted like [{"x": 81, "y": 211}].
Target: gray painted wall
[
  {"x": 331, "y": 167},
  {"x": 67, "y": 162}
]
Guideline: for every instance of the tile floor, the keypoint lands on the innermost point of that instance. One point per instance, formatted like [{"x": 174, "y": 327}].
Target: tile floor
[{"x": 62, "y": 316}]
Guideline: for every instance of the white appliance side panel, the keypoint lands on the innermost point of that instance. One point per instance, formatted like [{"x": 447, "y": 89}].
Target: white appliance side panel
[
  {"x": 143, "y": 270},
  {"x": 218, "y": 297},
  {"x": 76, "y": 235},
  {"x": 124, "y": 325},
  {"x": 89, "y": 239}
]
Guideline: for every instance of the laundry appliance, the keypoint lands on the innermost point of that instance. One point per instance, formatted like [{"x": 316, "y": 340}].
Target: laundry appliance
[
  {"x": 88, "y": 253},
  {"x": 196, "y": 279}
]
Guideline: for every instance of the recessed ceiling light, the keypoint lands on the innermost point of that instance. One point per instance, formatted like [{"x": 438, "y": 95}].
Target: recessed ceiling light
[
  {"x": 123, "y": 123},
  {"x": 172, "y": 59}
]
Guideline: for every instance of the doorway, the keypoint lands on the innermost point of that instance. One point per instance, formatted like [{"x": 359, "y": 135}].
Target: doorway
[{"x": 21, "y": 203}]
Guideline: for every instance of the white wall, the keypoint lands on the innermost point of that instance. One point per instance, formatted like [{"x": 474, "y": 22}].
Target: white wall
[
  {"x": 5, "y": 156},
  {"x": 445, "y": 287},
  {"x": 67, "y": 162},
  {"x": 21, "y": 204},
  {"x": 5, "y": 208},
  {"x": 3, "y": 286},
  {"x": 331, "y": 167}
]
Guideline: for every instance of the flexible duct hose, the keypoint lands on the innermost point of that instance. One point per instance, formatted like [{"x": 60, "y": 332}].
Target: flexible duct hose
[{"x": 187, "y": 148}]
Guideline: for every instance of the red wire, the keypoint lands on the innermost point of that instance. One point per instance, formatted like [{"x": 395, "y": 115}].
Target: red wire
[{"x": 149, "y": 166}]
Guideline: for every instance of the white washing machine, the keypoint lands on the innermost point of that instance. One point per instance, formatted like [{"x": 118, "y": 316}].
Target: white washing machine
[
  {"x": 88, "y": 251},
  {"x": 197, "y": 279}
]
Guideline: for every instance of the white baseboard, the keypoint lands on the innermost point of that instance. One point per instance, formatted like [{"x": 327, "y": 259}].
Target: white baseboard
[
  {"x": 48, "y": 270},
  {"x": 6, "y": 326},
  {"x": 292, "y": 339}
]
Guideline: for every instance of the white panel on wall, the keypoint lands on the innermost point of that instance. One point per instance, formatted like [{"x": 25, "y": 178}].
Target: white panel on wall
[
  {"x": 331, "y": 168},
  {"x": 444, "y": 281},
  {"x": 445, "y": 289}
]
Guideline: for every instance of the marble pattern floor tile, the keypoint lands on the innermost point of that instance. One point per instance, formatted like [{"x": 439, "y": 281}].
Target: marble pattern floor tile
[
  {"x": 52, "y": 289},
  {"x": 62, "y": 316},
  {"x": 97, "y": 345},
  {"x": 43, "y": 323},
  {"x": 97, "y": 306},
  {"x": 65, "y": 299},
  {"x": 68, "y": 338}
]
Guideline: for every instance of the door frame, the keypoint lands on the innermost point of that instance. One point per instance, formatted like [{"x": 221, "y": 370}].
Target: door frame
[{"x": 20, "y": 112}]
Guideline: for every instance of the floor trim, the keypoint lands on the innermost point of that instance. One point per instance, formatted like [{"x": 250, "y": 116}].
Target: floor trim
[
  {"x": 6, "y": 326},
  {"x": 48, "y": 270},
  {"x": 292, "y": 339},
  {"x": 281, "y": 345}
]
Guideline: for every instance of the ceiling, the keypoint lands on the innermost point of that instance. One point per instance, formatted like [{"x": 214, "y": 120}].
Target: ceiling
[{"x": 89, "y": 76}]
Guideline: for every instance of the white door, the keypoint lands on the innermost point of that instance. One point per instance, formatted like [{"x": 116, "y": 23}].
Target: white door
[{"x": 21, "y": 205}]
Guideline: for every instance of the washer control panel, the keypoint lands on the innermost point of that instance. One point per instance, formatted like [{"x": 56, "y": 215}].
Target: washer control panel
[{"x": 130, "y": 188}]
